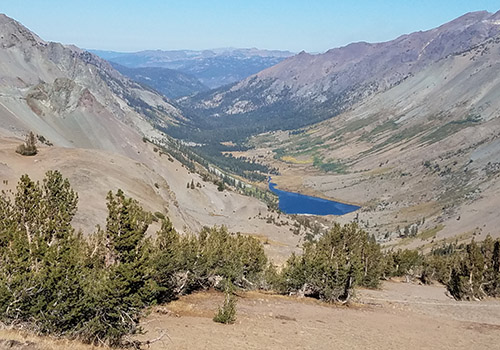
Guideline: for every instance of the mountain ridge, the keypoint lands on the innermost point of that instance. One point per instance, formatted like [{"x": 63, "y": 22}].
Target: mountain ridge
[
  {"x": 421, "y": 154},
  {"x": 99, "y": 129},
  {"x": 169, "y": 82},
  {"x": 214, "y": 68},
  {"x": 63, "y": 92},
  {"x": 308, "y": 88}
]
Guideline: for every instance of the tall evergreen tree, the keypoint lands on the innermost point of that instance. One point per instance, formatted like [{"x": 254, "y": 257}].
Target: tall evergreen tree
[
  {"x": 167, "y": 259},
  {"x": 121, "y": 288},
  {"x": 467, "y": 277},
  {"x": 42, "y": 260},
  {"x": 59, "y": 207}
]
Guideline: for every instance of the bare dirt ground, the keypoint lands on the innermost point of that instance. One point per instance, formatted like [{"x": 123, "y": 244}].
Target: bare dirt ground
[{"x": 399, "y": 316}]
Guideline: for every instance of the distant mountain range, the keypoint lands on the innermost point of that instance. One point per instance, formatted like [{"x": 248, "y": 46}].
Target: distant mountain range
[
  {"x": 94, "y": 123},
  {"x": 213, "y": 68},
  {"x": 169, "y": 82},
  {"x": 305, "y": 89}
]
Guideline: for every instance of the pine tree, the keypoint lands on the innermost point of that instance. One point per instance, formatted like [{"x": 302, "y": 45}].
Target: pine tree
[
  {"x": 121, "y": 289},
  {"x": 29, "y": 147},
  {"x": 220, "y": 186},
  {"x": 59, "y": 207},
  {"x": 7, "y": 223},
  {"x": 489, "y": 276},
  {"x": 43, "y": 268},
  {"x": 467, "y": 277},
  {"x": 27, "y": 205},
  {"x": 63, "y": 262},
  {"x": 372, "y": 261},
  {"x": 226, "y": 313},
  {"x": 167, "y": 261},
  {"x": 331, "y": 267}
]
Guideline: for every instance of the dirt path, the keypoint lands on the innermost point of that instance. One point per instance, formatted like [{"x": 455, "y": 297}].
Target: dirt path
[
  {"x": 397, "y": 317},
  {"x": 432, "y": 301}
]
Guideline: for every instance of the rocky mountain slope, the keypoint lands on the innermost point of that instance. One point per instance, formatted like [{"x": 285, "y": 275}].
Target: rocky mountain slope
[
  {"x": 72, "y": 97},
  {"x": 422, "y": 157},
  {"x": 309, "y": 88},
  {"x": 171, "y": 83},
  {"x": 214, "y": 68}
]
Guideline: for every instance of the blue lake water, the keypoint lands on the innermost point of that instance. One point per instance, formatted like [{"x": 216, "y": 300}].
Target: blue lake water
[{"x": 296, "y": 203}]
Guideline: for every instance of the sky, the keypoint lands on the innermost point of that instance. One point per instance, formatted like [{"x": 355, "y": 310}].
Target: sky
[{"x": 294, "y": 25}]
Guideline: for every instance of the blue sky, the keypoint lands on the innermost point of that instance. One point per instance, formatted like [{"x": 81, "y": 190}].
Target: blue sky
[{"x": 310, "y": 25}]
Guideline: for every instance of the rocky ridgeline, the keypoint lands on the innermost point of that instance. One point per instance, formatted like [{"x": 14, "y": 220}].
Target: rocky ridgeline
[{"x": 308, "y": 88}]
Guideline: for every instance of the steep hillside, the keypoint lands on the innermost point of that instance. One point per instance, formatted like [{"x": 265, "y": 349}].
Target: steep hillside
[
  {"x": 169, "y": 82},
  {"x": 94, "y": 120},
  {"x": 422, "y": 158},
  {"x": 72, "y": 97},
  {"x": 308, "y": 88},
  {"x": 214, "y": 68},
  {"x": 157, "y": 182}
]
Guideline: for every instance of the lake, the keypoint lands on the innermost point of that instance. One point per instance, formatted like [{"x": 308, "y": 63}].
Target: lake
[{"x": 296, "y": 203}]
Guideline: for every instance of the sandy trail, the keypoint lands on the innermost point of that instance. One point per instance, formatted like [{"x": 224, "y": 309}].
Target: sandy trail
[{"x": 399, "y": 316}]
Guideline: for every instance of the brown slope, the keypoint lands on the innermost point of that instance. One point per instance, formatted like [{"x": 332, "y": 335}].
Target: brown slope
[{"x": 157, "y": 183}]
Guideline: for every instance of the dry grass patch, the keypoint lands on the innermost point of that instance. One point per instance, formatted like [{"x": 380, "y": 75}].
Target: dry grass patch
[
  {"x": 431, "y": 233},
  {"x": 293, "y": 160},
  {"x": 199, "y": 304},
  {"x": 265, "y": 240},
  {"x": 20, "y": 340},
  {"x": 426, "y": 209}
]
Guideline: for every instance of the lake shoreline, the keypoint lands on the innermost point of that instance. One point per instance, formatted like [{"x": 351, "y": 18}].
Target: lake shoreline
[{"x": 300, "y": 204}]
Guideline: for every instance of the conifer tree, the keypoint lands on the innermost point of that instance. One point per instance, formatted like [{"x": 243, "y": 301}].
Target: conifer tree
[
  {"x": 487, "y": 249},
  {"x": 63, "y": 261},
  {"x": 467, "y": 277},
  {"x": 29, "y": 147},
  {"x": 121, "y": 288},
  {"x": 7, "y": 223},
  {"x": 226, "y": 313},
  {"x": 167, "y": 261},
  {"x": 59, "y": 206},
  {"x": 330, "y": 268},
  {"x": 29, "y": 221},
  {"x": 42, "y": 260},
  {"x": 126, "y": 227}
]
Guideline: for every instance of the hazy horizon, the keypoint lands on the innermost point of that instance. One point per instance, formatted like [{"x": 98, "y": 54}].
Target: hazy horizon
[{"x": 317, "y": 26}]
